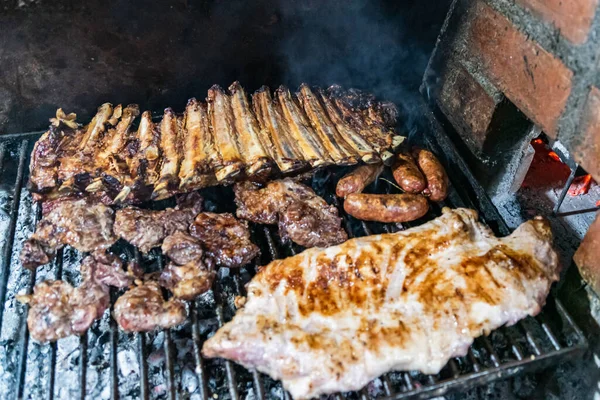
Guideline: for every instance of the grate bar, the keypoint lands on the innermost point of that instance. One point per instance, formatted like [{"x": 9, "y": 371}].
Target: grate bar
[
  {"x": 387, "y": 385},
  {"x": 473, "y": 360},
  {"x": 114, "y": 376},
  {"x": 52, "y": 368},
  {"x": 83, "y": 345},
  {"x": 10, "y": 235},
  {"x": 200, "y": 369},
  {"x": 530, "y": 339},
  {"x": 488, "y": 346},
  {"x": 143, "y": 364},
  {"x": 169, "y": 355},
  {"x": 231, "y": 378}
]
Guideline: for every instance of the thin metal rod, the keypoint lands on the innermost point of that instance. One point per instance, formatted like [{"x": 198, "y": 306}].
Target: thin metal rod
[
  {"x": 144, "y": 386},
  {"x": 564, "y": 191},
  {"x": 453, "y": 368},
  {"x": 488, "y": 347},
  {"x": 83, "y": 345},
  {"x": 23, "y": 342},
  {"x": 473, "y": 360},
  {"x": 52, "y": 368},
  {"x": 530, "y": 339},
  {"x": 387, "y": 385},
  {"x": 563, "y": 312},
  {"x": 200, "y": 368},
  {"x": 575, "y": 212},
  {"x": 10, "y": 234},
  {"x": 170, "y": 371},
  {"x": 114, "y": 376},
  {"x": 231, "y": 378}
]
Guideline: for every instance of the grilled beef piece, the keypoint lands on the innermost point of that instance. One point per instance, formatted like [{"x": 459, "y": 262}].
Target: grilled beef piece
[
  {"x": 147, "y": 229},
  {"x": 303, "y": 217},
  {"x": 108, "y": 269},
  {"x": 404, "y": 301},
  {"x": 188, "y": 274},
  {"x": 224, "y": 238},
  {"x": 143, "y": 308},
  {"x": 57, "y": 309},
  {"x": 83, "y": 224}
]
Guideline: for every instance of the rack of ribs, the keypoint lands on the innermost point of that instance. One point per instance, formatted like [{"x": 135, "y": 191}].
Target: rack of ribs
[
  {"x": 333, "y": 319},
  {"x": 231, "y": 137}
]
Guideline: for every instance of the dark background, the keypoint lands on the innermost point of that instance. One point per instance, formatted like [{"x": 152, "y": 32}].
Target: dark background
[{"x": 77, "y": 55}]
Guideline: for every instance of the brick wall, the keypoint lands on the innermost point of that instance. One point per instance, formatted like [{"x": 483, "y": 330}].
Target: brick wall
[{"x": 543, "y": 56}]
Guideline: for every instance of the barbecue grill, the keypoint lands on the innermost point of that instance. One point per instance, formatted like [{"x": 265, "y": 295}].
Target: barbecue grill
[{"x": 108, "y": 363}]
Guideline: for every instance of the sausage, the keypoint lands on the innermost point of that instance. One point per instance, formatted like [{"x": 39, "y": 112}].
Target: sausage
[
  {"x": 435, "y": 174},
  {"x": 357, "y": 180},
  {"x": 407, "y": 174},
  {"x": 386, "y": 207}
]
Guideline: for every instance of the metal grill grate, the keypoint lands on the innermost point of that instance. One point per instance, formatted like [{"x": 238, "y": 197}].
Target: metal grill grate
[{"x": 107, "y": 363}]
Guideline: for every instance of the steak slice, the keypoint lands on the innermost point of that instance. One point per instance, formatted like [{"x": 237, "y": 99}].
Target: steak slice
[{"x": 329, "y": 320}]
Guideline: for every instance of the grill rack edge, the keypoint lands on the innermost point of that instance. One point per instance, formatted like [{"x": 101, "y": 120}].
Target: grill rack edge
[{"x": 536, "y": 345}]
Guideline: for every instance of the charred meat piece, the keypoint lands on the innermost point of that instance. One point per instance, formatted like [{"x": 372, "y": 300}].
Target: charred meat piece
[
  {"x": 223, "y": 130},
  {"x": 199, "y": 154},
  {"x": 224, "y": 238},
  {"x": 284, "y": 148},
  {"x": 303, "y": 217},
  {"x": 188, "y": 274},
  {"x": 57, "y": 309},
  {"x": 143, "y": 308},
  {"x": 106, "y": 269},
  {"x": 405, "y": 301},
  {"x": 334, "y": 144},
  {"x": 147, "y": 229},
  {"x": 82, "y": 224},
  {"x": 252, "y": 143}
]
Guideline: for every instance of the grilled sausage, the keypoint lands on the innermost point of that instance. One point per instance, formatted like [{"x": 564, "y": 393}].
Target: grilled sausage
[
  {"x": 407, "y": 174},
  {"x": 357, "y": 180},
  {"x": 437, "y": 179},
  {"x": 386, "y": 207}
]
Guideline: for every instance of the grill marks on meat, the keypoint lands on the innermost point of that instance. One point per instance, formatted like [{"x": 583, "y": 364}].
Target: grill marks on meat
[
  {"x": 285, "y": 151},
  {"x": 82, "y": 224},
  {"x": 225, "y": 139},
  {"x": 224, "y": 238},
  {"x": 334, "y": 144},
  {"x": 188, "y": 274},
  {"x": 383, "y": 294},
  {"x": 143, "y": 308},
  {"x": 302, "y": 216},
  {"x": 147, "y": 229},
  {"x": 249, "y": 137},
  {"x": 199, "y": 154},
  {"x": 223, "y": 129},
  {"x": 58, "y": 310}
]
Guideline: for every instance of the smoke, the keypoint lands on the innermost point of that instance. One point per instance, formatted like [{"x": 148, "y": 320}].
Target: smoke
[{"x": 381, "y": 48}]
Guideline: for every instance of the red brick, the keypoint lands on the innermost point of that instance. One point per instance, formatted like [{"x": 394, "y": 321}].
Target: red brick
[
  {"x": 572, "y": 17},
  {"x": 587, "y": 256},
  {"x": 535, "y": 81},
  {"x": 467, "y": 106},
  {"x": 587, "y": 150}
]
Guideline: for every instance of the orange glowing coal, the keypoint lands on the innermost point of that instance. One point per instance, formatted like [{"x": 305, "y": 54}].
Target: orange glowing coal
[{"x": 581, "y": 185}]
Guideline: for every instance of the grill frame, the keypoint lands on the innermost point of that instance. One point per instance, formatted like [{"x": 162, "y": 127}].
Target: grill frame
[{"x": 482, "y": 362}]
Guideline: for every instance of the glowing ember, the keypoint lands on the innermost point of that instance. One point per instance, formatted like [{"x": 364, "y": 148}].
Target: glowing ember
[
  {"x": 598, "y": 203},
  {"x": 546, "y": 170},
  {"x": 581, "y": 185},
  {"x": 554, "y": 156}
]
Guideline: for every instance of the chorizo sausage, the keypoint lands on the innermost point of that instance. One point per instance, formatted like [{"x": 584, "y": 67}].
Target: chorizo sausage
[
  {"x": 435, "y": 174},
  {"x": 357, "y": 180},
  {"x": 407, "y": 174},
  {"x": 403, "y": 207}
]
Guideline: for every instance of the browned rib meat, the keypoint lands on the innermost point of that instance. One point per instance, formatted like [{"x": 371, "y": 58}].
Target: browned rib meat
[
  {"x": 110, "y": 160},
  {"x": 379, "y": 138},
  {"x": 249, "y": 137},
  {"x": 348, "y": 131},
  {"x": 284, "y": 150},
  {"x": 335, "y": 145},
  {"x": 78, "y": 153},
  {"x": 221, "y": 118},
  {"x": 198, "y": 149},
  {"x": 144, "y": 308},
  {"x": 170, "y": 136},
  {"x": 305, "y": 136}
]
